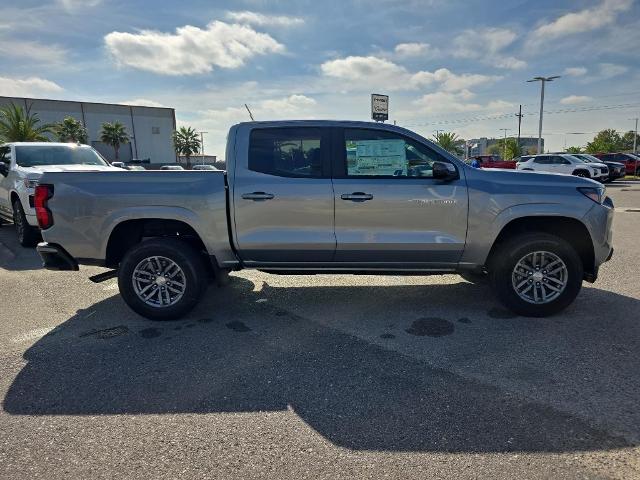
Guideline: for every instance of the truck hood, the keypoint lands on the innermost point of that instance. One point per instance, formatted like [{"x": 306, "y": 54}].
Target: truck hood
[{"x": 526, "y": 176}]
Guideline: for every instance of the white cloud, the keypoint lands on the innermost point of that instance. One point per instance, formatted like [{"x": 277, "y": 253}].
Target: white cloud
[
  {"x": 254, "y": 18},
  {"x": 36, "y": 51},
  {"x": 581, "y": 21},
  {"x": 610, "y": 70},
  {"x": 575, "y": 100},
  {"x": 296, "y": 105},
  {"x": 27, "y": 87},
  {"x": 143, "y": 102},
  {"x": 377, "y": 72},
  {"x": 412, "y": 49},
  {"x": 449, "y": 81},
  {"x": 456, "y": 102},
  {"x": 575, "y": 71},
  {"x": 487, "y": 45},
  {"x": 77, "y": 4},
  {"x": 191, "y": 50}
]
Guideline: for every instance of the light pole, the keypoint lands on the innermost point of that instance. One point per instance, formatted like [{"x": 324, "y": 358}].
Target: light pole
[
  {"x": 504, "y": 143},
  {"x": 542, "y": 80},
  {"x": 202, "y": 146}
]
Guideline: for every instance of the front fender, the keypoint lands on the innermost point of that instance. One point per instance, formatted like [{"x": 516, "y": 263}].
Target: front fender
[{"x": 482, "y": 236}]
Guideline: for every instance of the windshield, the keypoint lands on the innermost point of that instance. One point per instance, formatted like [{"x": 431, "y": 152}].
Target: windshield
[{"x": 40, "y": 155}]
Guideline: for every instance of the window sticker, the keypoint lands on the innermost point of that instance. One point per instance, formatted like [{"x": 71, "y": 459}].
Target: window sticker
[{"x": 376, "y": 157}]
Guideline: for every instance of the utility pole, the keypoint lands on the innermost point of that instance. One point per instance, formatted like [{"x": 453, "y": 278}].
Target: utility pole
[
  {"x": 504, "y": 143},
  {"x": 202, "y": 146},
  {"x": 519, "y": 115},
  {"x": 635, "y": 138},
  {"x": 542, "y": 81}
]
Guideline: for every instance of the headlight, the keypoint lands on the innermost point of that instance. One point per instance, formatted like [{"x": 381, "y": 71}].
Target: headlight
[
  {"x": 30, "y": 183},
  {"x": 597, "y": 194}
]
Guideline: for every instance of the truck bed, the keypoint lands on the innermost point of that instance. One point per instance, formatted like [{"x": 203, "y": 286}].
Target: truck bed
[{"x": 89, "y": 205}]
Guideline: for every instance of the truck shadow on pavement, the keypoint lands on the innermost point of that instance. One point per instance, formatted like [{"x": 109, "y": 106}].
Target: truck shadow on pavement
[{"x": 238, "y": 354}]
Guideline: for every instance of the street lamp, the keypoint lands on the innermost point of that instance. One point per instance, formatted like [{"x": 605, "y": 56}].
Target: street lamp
[{"x": 542, "y": 80}]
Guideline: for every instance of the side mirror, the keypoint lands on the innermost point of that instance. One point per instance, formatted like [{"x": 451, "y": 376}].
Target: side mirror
[
  {"x": 4, "y": 169},
  {"x": 444, "y": 171}
]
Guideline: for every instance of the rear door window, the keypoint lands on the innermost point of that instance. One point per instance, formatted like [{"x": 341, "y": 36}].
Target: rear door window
[
  {"x": 542, "y": 160},
  {"x": 288, "y": 152}
]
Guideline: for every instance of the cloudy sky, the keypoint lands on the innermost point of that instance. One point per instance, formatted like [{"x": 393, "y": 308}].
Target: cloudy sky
[{"x": 457, "y": 65}]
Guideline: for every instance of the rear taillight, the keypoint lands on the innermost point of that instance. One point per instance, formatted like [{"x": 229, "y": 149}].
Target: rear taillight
[{"x": 43, "y": 214}]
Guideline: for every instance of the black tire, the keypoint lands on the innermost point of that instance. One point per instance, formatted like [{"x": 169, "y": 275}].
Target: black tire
[
  {"x": 475, "y": 278},
  {"x": 181, "y": 253},
  {"x": 28, "y": 236},
  {"x": 508, "y": 255}
]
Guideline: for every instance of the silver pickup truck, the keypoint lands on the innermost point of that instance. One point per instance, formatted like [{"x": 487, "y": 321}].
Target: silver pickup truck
[{"x": 303, "y": 197}]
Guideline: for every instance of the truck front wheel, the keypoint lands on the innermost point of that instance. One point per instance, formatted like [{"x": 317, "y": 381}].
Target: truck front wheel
[
  {"x": 162, "y": 278},
  {"x": 536, "y": 274}
]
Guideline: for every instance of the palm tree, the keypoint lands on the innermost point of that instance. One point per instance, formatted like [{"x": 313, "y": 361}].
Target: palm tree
[
  {"x": 70, "y": 130},
  {"x": 450, "y": 142},
  {"x": 20, "y": 125},
  {"x": 186, "y": 143},
  {"x": 114, "y": 134}
]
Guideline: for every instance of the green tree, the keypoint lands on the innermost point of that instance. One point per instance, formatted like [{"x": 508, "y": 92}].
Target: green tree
[
  {"x": 20, "y": 125},
  {"x": 606, "y": 141},
  {"x": 70, "y": 130},
  {"x": 114, "y": 134},
  {"x": 512, "y": 150},
  {"x": 627, "y": 140},
  {"x": 573, "y": 149},
  {"x": 186, "y": 143},
  {"x": 450, "y": 142}
]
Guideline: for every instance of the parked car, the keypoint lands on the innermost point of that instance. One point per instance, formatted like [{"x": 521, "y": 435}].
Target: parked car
[
  {"x": 203, "y": 167},
  {"x": 119, "y": 165},
  {"x": 630, "y": 161},
  {"x": 135, "y": 167},
  {"x": 616, "y": 169},
  {"x": 291, "y": 203},
  {"x": 21, "y": 166},
  {"x": 171, "y": 167},
  {"x": 563, "y": 163},
  {"x": 493, "y": 161}
]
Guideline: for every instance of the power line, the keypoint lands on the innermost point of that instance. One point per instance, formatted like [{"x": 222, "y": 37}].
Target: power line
[{"x": 499, "y": 116}]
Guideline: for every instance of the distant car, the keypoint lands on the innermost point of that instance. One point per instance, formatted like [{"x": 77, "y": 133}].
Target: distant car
[
  {"x": 203, "y": 167},
  {"x": 493, "y": 161},
  {"x": 135, "y": 167},
  {"x": 118, "y": 165},
  {"x": 630, "y": 160},
  {"x": 616, "y": 169},
  {"x": 21, "y": 166},
  {"x": 563, "y": 163},
  {"x": 171, "y": 167}
]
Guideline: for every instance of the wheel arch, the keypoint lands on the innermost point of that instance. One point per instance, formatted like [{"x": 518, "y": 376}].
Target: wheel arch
[
  {"x": 570, "y": 229},
  {"x": 129, "y": 233}
]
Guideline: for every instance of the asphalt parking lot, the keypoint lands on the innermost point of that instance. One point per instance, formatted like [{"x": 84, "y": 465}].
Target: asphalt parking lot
[{"x": 320, "y": 377}]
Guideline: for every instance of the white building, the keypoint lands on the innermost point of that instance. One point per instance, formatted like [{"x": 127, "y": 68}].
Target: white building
[{"x": 150, "y": 128}]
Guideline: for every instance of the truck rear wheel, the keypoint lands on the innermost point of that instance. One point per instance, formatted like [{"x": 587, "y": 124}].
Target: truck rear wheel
[
  {"x": 162, "y": 278},
  {"x": 536, "y": 274}
]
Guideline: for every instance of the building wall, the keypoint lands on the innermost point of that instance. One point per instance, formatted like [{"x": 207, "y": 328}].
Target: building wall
[{"x": 150, "y": 128}]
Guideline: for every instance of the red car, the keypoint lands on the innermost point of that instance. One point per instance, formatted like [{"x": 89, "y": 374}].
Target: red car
[
  {"x": 493, "y": 161},
  {"x": 631, "y": 161}
]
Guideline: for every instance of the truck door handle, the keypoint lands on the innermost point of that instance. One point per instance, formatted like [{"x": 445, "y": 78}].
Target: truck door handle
[
  {"x": 357, "y": 196},
  {"x": 258, "y": 196}
]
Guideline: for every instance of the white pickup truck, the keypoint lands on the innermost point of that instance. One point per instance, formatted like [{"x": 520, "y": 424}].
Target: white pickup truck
[{"x": 21, "y": 166}]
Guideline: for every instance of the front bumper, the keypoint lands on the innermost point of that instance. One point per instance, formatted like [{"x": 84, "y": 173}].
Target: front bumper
[{"x": 54, "y": 257}]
